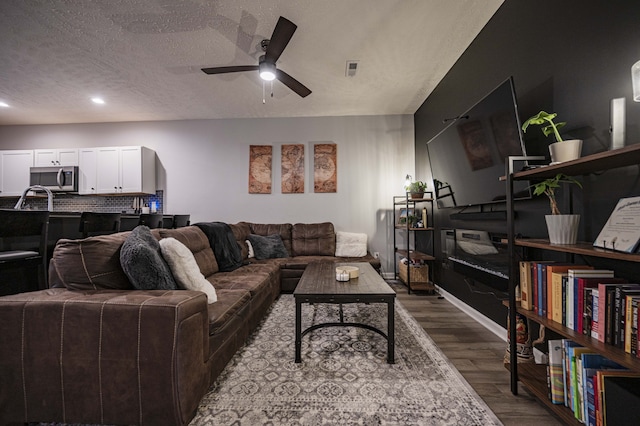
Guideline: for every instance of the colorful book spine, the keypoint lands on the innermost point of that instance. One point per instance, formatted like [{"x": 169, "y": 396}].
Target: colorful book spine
[
  {"x": 634, "y": 326},
  {"x": 595, "y": 327},
  {"x": 556, "y": 298},
  {"x": 555, "y": 371},
  {"x": 525, "y": 285}
]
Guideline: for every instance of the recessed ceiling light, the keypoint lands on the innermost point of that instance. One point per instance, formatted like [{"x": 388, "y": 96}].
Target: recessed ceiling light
[
  {"x": 98, "y": 101},
  {"x": 4, "y": 104}
]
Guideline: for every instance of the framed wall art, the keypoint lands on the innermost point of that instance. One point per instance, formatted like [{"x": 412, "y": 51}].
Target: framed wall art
[
  {"x": 260, "y": 161},
  {"x": 325, "y": 167},
  {"x": 292, "y": 168}
]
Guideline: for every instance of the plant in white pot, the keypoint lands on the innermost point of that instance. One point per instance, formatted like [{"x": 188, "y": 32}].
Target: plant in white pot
[
  {"x": 562, "y": 150},
  {"x": 562, "y": 228}
]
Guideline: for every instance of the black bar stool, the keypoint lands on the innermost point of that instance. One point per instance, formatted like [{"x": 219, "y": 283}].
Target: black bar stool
[
  {"x": 180, "y": 220},
  {"x": 99, "y": 223},
  {"x": 23, "y": 247},
  {"x": 152, "y": 220}
]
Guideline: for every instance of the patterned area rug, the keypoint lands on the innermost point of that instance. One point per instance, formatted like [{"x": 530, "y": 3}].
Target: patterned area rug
[{"x": 343, "y": 378}]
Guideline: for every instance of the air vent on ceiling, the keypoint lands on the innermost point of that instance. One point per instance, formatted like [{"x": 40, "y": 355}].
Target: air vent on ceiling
[{"x": 352, "y": 68}]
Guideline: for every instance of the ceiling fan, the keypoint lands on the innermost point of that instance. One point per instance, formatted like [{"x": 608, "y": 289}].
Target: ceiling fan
[{"x": 272, "y": 48}]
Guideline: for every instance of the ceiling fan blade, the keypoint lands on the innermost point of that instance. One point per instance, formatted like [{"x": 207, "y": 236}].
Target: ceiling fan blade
[
  {"x": 282, "y": 33},
  {"x": 292, "y": 83},
  {"x": 234, "y": 68}
]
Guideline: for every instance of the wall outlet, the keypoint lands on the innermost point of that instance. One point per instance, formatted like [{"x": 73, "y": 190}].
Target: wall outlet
[{"x": 376, "y": 254}]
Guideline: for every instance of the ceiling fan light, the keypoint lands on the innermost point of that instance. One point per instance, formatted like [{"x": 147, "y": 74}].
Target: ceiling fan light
[{"x": 267, "y": 71}]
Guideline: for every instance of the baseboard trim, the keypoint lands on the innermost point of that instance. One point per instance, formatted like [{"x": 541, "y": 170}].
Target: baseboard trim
[
  {"x": 479, "y": 317},
  {"x": 388, "y": 276}
]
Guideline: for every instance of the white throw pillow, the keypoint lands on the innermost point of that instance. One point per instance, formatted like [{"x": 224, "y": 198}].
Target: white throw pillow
[
  {"x": 184, "y": 268},
  {"x": 351, "y": 244},
  {"x": 250, "y": 248}
]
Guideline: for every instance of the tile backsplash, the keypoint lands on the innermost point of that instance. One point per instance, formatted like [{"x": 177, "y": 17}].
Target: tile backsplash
[{"x": 94, "y": 203}]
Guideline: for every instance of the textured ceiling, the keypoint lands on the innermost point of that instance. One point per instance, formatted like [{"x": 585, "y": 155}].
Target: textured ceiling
[{"x": 144, "y": 57}]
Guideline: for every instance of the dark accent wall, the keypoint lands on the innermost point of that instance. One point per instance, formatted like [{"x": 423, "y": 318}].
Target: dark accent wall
[{"x": 571, "y": 57}]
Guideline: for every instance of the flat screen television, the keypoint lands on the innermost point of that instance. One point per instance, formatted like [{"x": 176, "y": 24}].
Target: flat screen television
[{"x": 468, "y": 157}]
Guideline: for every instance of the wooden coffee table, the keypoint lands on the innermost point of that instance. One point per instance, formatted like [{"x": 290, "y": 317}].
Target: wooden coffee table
[{"x": 318, "y": 284}]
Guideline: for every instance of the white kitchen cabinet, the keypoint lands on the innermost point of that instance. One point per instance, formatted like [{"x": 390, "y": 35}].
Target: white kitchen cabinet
[
  {"x": 118, "y": 170},
  {"x": 14, "y": 171},
  {"x": 55, "y": 157},
  {"x": 87, "y": 162}
]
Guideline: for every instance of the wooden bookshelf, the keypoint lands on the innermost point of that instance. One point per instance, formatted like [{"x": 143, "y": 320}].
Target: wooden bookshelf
[
  {"x": 582, "y": 248},
  {"x": 534, "y": 377}
]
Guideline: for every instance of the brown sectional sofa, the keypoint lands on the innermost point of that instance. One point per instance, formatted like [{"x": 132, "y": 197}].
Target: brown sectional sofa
[{"x": 93, "y": 350}]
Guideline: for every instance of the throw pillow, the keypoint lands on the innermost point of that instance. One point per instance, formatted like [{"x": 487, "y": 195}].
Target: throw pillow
[
  {"x": 351, "y": 244},
  {"x": 268, "y": 247},
  {"x": 185, "y": 269},
  {"x": 142, "y": 262},
  {"x": 250, "y": 252}
]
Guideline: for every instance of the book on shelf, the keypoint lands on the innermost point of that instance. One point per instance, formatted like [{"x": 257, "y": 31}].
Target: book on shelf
[
  {"x": 575, "y": 359},
  {"x": 632, "y": 343},
  {"x": 572, "y": 297},
  {"x": 611, "y": 312},
  {"x": 620, "y": 310},
  {"x": 539, "y": 279},
  {"x": 591, "y": 364},
  {"x": 567, "y": 345},
  {"x": 554, "y": 287},
  {"x": 556, "y": 386},
  {"x": 526, "y": 290},
  {"x": 584, "y": 307},
  {"x": 595, "y": 306}
]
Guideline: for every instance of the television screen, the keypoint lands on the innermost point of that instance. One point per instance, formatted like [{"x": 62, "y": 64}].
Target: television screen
[{"x": 468, "y": 157}]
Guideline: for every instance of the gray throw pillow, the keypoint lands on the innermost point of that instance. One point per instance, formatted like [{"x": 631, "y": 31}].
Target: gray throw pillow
[
  {"x": 143, "y": 263},
  {"x": 268, "y": 247}
]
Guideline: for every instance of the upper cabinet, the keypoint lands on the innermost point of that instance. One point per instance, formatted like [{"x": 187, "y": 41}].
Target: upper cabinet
[
  {"x": 14, "y": 171},
  {"x": 117, "y": 170},
  {"x": 55, "y": 157}
]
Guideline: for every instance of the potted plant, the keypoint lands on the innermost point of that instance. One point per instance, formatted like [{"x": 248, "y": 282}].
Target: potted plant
[
  {"x": 561, "y": 150},
  {"x": 416, "y": 189},
  {"x": 562, "y": 228}
]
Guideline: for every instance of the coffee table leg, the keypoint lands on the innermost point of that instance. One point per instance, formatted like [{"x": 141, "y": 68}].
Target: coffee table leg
[
  {"x": 298, "y": 330},
  {"x": 391, "y": 333}
]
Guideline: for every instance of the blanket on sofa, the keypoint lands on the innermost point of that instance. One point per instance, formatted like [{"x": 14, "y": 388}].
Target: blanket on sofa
[{"x": 224, "y": 245}]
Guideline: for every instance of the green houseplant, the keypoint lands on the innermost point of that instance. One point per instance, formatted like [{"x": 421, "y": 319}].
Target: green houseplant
[
  {"x": 562, "y": 150},
  {"x": 562, "y": 228},
  {"x": 416, "y": 189}
]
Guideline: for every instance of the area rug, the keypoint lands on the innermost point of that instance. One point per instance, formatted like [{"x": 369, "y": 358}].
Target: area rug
[{"x": 343, "y": 377}]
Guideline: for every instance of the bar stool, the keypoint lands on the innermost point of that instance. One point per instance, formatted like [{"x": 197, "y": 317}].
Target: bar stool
[
  {"x": 180, "y": 220},
  {"x": 23, "y": 246},
  {"x": 152, "y": 220},
  {"x": 99, "y": 223}
]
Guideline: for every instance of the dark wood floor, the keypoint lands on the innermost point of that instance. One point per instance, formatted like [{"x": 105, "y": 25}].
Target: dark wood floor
[{"x": 478, "y": 354}]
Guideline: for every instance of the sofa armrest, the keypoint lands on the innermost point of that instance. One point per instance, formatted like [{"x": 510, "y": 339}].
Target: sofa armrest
[{"x": 107, "y": 356}]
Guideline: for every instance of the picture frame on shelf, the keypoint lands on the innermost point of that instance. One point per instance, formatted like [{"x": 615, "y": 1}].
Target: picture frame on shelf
[
  {"x": 621, "y": 232},
  {"x": 405, "y": 214}
]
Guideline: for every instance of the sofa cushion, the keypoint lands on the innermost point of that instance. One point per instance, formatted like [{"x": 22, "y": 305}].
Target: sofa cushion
[
  {"x": 310, "y": 239},
  {"x": 282, "y": 229},
  {"x": 89, "y": 264},
  {"x": 351, "y": 244},
  {"x": 230, "y": 303},
  {"x": 269, "y": 247},
  {"x": 143, "y": 263},
  {"x": 198, "y": 243},
  {"x": 184, "y": 268}
]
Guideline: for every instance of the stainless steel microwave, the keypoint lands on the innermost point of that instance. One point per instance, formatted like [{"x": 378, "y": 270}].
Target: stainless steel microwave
[{"x": 56, "y": 178}]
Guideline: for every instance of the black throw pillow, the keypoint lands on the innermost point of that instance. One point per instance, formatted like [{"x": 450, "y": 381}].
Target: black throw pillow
[
  {"x": 142, "y": 262},
  {"x": 268, "y": 247}
]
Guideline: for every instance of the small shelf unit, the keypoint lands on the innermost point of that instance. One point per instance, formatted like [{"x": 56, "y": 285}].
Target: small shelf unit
[{"x": 406, "y": 202}]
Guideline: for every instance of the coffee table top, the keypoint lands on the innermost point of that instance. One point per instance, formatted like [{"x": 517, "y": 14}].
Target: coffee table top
[{"x": 320, "y": 279}]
